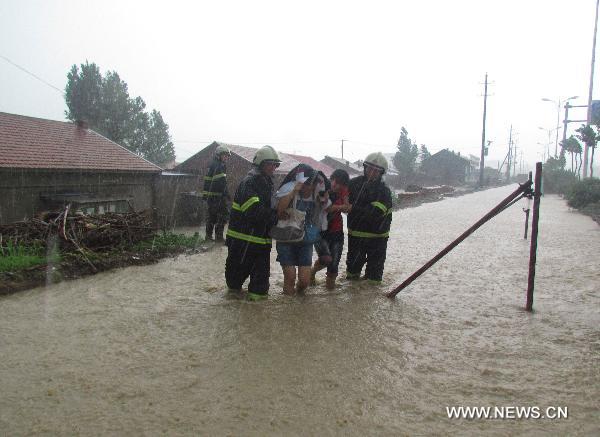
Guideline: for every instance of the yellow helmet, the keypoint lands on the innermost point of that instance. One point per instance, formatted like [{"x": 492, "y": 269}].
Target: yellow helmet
[
  {"x": 220, "y": 150},
  {"x": 376, "y": 159},
  {"x": 265, "y": 153}
]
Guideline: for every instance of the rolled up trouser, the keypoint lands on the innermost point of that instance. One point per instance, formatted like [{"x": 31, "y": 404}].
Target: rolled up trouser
[{"x": 371, "y": 251}]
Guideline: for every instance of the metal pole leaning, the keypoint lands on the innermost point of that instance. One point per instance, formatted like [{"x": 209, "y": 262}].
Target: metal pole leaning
[
  {"x": 527, "y": 210},
  {"x": 534, "y": 234},
  {"x": 496, "y": 210}
]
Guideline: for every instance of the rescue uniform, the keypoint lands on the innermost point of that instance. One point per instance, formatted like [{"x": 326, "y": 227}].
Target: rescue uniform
[
  {"x": 216, "y": 195},
  {"x": 369, "y": 223},
  {"x": 248, "y": 241}
]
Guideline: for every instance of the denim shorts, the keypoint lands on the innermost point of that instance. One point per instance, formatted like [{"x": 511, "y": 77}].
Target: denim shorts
[{"x": 290, "y": 254}]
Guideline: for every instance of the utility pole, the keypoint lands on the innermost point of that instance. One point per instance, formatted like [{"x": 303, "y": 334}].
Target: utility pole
[
  {"x": 521, "y": 163},
  {"x": 515, "y": 161},
  {"x": 589, "y": 109},
  {"x": 481, "y": 161},
  {"x": 343, "y": 148},
  {"x": 508, "y": 163},
  {"x": 565, "y": 122}
]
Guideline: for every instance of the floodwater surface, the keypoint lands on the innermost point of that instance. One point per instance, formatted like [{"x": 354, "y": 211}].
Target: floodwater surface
[{"x": 161, "y": 350}]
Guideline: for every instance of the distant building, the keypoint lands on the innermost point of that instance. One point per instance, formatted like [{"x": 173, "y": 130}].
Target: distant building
[
  {"x": 317, "y": 165},
  {"x": 340, "y": 163},
  {"x": 474, "y": 164},
  {"x": 446, "y": 167},
  {"x": 46, "y": 164},
  {"x": 241, "y": 162}
]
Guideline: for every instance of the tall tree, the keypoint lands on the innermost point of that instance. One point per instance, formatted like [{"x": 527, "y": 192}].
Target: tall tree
[
  {"x": 572, "y": 146},
  {"x": 117, "y": 109},
  {"x": 159, "y": 148},
  {"x": 406, "y": 156},
  {"x": 83, "y": 94},
  {"x": 589, "y": 136},
  {"x": 424, "y": 153},
  {"x": 104, "y": 103}
]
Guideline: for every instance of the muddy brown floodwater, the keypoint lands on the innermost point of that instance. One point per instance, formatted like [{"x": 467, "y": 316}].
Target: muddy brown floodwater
[{"x": 160, "y": 350}]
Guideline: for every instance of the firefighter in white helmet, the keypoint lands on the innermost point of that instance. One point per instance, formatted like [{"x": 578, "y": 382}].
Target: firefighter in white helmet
[
  {"x": 248, "y": 240},
  {"x": 216, "y": 194},
  {"x": 369, "y": 220}
]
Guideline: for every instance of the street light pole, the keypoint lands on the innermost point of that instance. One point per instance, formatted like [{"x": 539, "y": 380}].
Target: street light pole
[
  {"x": 558, "y": 106},
  {"x": 549, "y": 140},
  {"x": 481, "y": 162},
  {"x": 589, "y": 111}
]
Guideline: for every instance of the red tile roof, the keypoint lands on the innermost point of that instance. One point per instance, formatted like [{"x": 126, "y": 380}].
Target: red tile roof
[
  {"x": 28, "y": 142},
  {"x": 319, "y": 166}
]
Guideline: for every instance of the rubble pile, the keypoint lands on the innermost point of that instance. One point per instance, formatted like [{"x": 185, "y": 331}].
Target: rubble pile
[{"x": 74, "y": 231}]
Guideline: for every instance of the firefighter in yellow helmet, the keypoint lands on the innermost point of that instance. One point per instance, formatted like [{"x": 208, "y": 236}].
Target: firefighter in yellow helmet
[
  {"x": 248, "y": 241},
  {"x": 216, "y": 194},
  {"x": 369, "y": 220}
]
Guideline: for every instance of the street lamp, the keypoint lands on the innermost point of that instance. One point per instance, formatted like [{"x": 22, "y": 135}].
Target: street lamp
[
  {"x": 543, "y": 152},
  {"x": 558, "y": 106},
  {"x": 549, "y": 140}
]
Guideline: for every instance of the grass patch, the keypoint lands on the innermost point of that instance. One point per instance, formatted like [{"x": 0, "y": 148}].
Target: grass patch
[{"x": 15, "y": 257}]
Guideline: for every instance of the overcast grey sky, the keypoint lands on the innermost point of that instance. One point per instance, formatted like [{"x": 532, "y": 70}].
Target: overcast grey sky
[{"x": 303, "y": 75}]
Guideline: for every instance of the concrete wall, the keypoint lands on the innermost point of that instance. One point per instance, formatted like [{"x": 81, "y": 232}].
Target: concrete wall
[
  {"x": 21, "y": 190},
  {"x": 173, "y": 203}
]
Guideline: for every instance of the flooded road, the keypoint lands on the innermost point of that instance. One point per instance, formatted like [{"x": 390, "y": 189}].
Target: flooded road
[{"x": 160, "y": 350}]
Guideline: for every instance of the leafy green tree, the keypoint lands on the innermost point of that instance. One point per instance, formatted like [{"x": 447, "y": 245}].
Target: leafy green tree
[
  {"x": 140, "y": 124},
  {"x": 424, "y": 153},
  {"x": 117, "y": 109},
  {"x": 159, "y": 148},
  {"x": 104, "y": 103},
  {"x": 83, "y": 94},
  {"x": 572, "y": 146},
  {"x": 406, "y": 156},
  {"x": 556, "y": 179},
  {"x": 589, "y": 136}
]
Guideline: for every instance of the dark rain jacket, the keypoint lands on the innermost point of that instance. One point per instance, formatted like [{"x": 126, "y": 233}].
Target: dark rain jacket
[
  {"x": 251, "y": 214},
  {"x": 371, "y": 214},
  {"x": 215, "y": 181}
]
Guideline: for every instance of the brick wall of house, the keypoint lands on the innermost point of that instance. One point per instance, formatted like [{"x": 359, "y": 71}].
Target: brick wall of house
[{"x": 22, "y": 191}]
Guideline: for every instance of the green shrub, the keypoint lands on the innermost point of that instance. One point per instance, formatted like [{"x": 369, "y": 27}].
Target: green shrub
[
  {"x": 584, "y": 193},
  {"x": 14, "y": 257},
  {"x": 558, "y": 181}
]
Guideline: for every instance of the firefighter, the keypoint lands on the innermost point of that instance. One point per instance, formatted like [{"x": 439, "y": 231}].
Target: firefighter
[
  {"x": 369, "y": 220},
  {"x": 216, "y": 194},
  {"x": 248, "y": 241}
]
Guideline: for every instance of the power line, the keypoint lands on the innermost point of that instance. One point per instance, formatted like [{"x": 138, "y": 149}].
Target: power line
[{"x": 32, "y": 74}]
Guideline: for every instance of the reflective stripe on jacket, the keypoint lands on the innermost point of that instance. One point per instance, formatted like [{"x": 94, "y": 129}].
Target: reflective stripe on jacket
[
  {"x": 251, "y": 214},
  {"x": 371, "y": 214},
  {"x": 215, "y": 181}
]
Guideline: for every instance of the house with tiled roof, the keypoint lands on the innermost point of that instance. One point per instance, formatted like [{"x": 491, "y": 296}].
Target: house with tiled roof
[
  {"x": 45, "y": 164},
  {"x": 240, "y": 163},
  {"x": 343, "y": 164}
]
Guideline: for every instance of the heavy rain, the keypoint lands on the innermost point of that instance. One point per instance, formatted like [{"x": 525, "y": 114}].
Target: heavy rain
[{"x": 234, "y": 218}]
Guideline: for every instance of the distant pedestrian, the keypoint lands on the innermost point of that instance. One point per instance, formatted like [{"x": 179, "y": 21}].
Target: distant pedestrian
[
  {"x": 330, "y": 246},
  {"x": 369, "y": 220},
  {"x": 216, "y": 194},
  {"x": 248, "y": 240}
]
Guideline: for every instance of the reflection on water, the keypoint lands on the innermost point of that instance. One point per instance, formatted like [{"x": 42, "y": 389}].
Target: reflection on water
[{"x": 160, "y": 349}]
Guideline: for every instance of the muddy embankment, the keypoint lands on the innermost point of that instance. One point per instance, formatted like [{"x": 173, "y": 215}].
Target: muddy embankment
[
  {"x": 420, "y": 195},
  {"x": 74, "y": 266}
]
